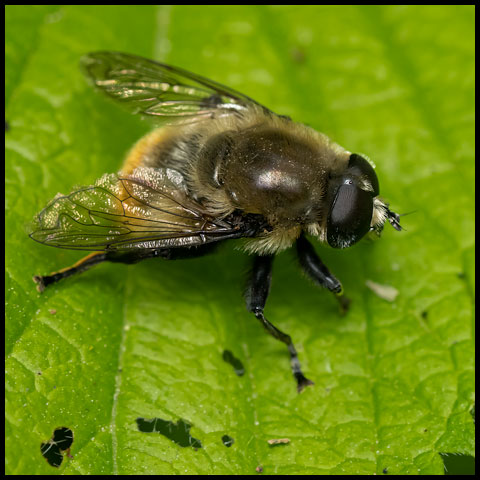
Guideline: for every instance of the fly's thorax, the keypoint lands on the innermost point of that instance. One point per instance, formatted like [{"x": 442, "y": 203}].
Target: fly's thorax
[
  {"x": 212, "y": 158},
  {"x": 269, "y": 171}
]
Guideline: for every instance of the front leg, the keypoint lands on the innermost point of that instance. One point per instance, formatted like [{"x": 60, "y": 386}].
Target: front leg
[
  {"x": 318, "y": 272},
  {"x": 256, "y": 296}
]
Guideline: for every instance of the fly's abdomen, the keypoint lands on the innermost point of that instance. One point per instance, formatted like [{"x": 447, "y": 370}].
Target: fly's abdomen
[{"x": 164, "y": 148}]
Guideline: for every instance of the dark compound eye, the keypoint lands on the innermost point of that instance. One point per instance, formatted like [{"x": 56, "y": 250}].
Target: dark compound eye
[
  {"x": 359, "y": 166},
  {"x": 350, "y": 215}
]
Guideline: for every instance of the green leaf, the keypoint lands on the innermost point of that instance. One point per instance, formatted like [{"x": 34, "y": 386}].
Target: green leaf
[{"x": 394, "y": 382}]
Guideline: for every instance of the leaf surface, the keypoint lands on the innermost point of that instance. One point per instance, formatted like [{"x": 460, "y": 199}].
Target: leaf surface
[{"x": 394, "y": 382}]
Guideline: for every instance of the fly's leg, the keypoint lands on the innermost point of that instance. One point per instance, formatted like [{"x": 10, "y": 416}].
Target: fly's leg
[
  {"x": 95, "y": 258},
  {"x": 316, "y": 269},
  {"x": 82, "y": 265},
  {"x": 90, "y": 261},
  {"x": 256, "y": 296}
]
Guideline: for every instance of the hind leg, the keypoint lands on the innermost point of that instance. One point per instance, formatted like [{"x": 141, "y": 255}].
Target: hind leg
[{"x": 95, "y": 258}]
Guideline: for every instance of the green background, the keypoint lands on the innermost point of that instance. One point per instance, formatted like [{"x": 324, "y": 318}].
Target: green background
[{"x": 394, "y": 382}]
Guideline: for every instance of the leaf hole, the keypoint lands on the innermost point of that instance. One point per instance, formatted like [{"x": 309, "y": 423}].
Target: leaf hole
[
  {"x": 178, "y": 432},
  {"x": 53, "y": 449}
]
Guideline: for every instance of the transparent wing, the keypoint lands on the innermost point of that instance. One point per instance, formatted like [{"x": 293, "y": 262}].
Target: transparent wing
[
  {"x": 146, "y": 210},
  {"x": 156, "y": 89}
]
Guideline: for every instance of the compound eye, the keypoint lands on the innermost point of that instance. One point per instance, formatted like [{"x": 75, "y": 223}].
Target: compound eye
[
  {"x": 350, "y": 215},
  {"x": 359, "y": 166}
]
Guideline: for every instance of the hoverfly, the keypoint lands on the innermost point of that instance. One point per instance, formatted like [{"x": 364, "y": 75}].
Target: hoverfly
[{"x": 220, "y": 166}]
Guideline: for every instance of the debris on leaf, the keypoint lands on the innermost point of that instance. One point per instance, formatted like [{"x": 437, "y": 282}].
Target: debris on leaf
[
  {"x": 387, "y": 292},
  {"x": 278, "y": 441}
]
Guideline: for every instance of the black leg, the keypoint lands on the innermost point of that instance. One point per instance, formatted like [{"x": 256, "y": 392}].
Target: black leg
[
  {"x": 95, "y": 258},
  {"x": 82, "y": 265},
  {"x": 256, "y": 297},
  {"x": 316, "y": 269}
]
